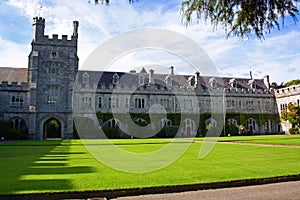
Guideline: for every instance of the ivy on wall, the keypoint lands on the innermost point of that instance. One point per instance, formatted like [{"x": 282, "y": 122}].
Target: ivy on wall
[{"x": 241, "y": 118}]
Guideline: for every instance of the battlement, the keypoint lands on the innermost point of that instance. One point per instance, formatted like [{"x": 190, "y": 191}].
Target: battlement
[
  {"x": 288, "y": 91},
  {"x": 39, "y": 20},
  {"x": 40, "y": 38},
  {"x": 55, "y": 40},
  {"x": 14, "y": 86}
]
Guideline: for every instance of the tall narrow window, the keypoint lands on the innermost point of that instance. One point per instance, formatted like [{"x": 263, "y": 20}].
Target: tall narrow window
[
  {"x": 141, "y": 80},
  {"x": 52, "y": 94},
  {"x": 126, "y": 102},
  {"x": 99, "y": 102},
  {"x": 109, "y": 102},
  {"x": 139, "y": 103}
]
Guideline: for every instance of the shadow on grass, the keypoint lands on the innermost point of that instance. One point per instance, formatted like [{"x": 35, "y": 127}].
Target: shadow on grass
[{"x": 31, "y": 167}]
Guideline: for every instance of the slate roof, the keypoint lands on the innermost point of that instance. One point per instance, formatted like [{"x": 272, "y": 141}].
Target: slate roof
[
  {"x": 11, "y": 74},
  {"x": 105, "y": 79},
  {"x": 19, "y": 75}
]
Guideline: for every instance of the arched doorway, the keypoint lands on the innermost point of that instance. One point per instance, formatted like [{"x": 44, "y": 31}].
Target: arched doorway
[{"x": 52, "y": 129}]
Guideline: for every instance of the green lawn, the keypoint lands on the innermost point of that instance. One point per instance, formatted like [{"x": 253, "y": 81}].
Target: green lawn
[
  {"x": 52, "y": 166},
  {"x": 264, "y": 139},
  {"x": 275, "y": 139}
]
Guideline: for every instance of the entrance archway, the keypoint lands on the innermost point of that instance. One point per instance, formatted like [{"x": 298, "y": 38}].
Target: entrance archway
[{"x": 52, "y": 129}]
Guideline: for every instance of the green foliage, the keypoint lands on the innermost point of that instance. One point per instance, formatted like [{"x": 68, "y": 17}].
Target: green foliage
[
  {"x": 202, "y": 129},
  {"x": 294, "y": 130},
  {"x": 106, "y": 2},
  {"x": 114, "y": 133},
  {"x": 231, "y": 129},
  {"x": 167, "y": 132},
  {"x": 292, "y": 82},
  {"x": 241, "y": 18},
  {"x": 292, "y": 114},
  {"x": 12, "y": 134}
]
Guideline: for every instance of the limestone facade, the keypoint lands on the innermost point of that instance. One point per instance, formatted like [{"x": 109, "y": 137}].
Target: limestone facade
[{"x": 53, "y": 88}]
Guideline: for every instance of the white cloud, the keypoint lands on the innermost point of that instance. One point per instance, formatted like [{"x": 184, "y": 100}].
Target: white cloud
[
  {"x": 13, "y": 54},
  {"x": 277, "y": 55}
]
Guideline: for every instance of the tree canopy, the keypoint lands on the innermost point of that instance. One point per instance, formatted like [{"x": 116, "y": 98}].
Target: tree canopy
[
  {"x": 292, "y": 113},
  {"x": 239, "y": 17},
  {"x": 292, "y": 82}
]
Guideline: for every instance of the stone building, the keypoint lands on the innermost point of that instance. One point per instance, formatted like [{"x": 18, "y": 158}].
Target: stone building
[
  {"x": 52, "y": 89},
  {"x": 284, "y": 96}
]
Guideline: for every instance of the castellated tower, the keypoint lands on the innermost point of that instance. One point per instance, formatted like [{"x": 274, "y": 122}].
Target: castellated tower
[{"x": 52, "y": 68}]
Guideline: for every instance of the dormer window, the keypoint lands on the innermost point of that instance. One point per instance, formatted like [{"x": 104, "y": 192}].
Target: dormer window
[
  {"x": 213, "y": 83},
  {"x": 85, "y": 78},
  {"x": 233, "y": 83},
  {"x": 191, "y": 81},
  {"x": 115, "y": 79},
  {"x": 252, "y": 84},
  {"x": 169, "y": 80},
  {"x": 141, "y": 80}
]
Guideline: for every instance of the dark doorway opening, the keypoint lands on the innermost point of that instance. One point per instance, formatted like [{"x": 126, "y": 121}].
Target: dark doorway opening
[{"x": 52, "y": 129}]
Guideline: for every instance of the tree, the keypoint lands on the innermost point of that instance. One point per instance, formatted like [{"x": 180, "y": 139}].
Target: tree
[
  {"x": 107, "y": 1},
  {"x": 292, "y": 82},
  {"x": 292, "y": 113},
  {"x": 239, "y": 17}
]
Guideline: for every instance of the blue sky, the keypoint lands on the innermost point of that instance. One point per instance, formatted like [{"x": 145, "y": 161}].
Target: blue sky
[{"x": 278, "y": 55}]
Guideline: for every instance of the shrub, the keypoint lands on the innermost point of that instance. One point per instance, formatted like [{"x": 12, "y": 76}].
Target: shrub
[
  {"x": 294, "y": 130},
  {"x": 12, "y": 134}
]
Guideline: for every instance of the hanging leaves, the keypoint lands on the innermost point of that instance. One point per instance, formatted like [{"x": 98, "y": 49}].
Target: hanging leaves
[{"x": 241, "y": 17}]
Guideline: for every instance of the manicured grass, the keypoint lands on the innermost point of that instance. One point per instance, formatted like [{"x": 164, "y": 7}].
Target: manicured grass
[{"x": 51, "y": 166}]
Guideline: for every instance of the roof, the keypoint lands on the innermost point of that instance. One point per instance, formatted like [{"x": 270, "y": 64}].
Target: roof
[
  {"x": 19, "y": 75},
  {"x": 105, "y": 79},
  {"x": 11, "y": 74}
]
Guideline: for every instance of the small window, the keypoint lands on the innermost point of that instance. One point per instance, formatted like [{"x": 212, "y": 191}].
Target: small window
[
  {"x": 85, "y": 78},
  {"x": 16, "y": 101},
  {"x": 115, "y": 79},
  {"x": 141, "y": 80},
  {"x": 169, "y": 81},
  {"x": 54, "y": 54}
]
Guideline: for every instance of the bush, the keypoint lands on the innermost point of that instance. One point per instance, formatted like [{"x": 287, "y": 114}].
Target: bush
[
  {"x": 294, "y": 131},
  {"x": 114, "y": 133},
  {"x": 167, "y": 132},
  {"x": 12, "y": 134}
]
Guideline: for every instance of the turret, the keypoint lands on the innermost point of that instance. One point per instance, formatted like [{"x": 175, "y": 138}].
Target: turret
[{"x": 38, "y": 28}]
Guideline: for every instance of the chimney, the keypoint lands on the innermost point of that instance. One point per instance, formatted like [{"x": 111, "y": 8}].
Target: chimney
[
  {"x": 267, "y": 81},
  {"x": 197, "y": 76},
  {"x": 151, "y": 77},
  {"x": 171, "y": 70}
]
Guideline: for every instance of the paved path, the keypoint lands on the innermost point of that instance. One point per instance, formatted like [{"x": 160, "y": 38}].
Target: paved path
[{"x": 276, "y": 191}]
